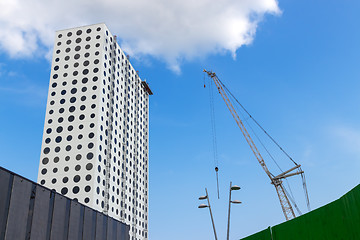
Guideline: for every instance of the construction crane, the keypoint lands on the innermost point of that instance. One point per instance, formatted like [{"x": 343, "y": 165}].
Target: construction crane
[{"x": 277, "y": 181}]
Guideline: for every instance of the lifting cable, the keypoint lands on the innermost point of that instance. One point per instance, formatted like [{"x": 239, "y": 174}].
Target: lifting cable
[
  {"x": 305, "y": 191},
  {"x": 291, "y": 196},
  {"x": 213, "y": 130},
  {"x": 272, "y": 158},
  {"x": 261, "y": 143},
  {"x": 272, "y": 139}
]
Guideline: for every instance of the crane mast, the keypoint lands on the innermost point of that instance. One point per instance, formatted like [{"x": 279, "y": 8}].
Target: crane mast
[{"x": 275, "y": 180}]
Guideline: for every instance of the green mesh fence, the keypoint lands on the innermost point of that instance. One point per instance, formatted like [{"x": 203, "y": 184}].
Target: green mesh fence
[{"x": 337, "y": 220}]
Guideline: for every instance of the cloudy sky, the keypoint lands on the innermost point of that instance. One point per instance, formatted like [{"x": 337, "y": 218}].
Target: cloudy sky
[
  {"x": 172, "y": 31},
  {"x": 293, "y": 64}
]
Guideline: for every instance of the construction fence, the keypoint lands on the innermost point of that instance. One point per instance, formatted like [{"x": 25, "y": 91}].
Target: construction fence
[
  {"x": 337, "y": 220},
  {"x": 31, "y": 211}
]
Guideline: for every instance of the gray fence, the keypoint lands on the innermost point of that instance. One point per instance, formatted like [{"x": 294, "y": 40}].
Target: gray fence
[{"x": 31, "y": 211}]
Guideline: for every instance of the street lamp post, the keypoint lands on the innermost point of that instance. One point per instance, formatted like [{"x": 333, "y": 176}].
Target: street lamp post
[
  {"x": 235, "y": 187},
  {"x": 205, "y": 206}
]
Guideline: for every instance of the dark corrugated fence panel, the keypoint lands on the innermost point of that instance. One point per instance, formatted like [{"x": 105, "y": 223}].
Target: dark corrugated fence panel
[
  {"x": 101, "y": 226},
  {"x": 18, "y": 210},
  {"x": 40, "y": 220},
  {"x": 89, "y": 224},
  {"x": 111, "y": 229},
  {"x": 6, "y": 181},
  {"x": 125, "y": 231},
  {"x": 60, "y": 219},
  {"x": 119, "y": 231},
  {"x": 30, "y": 211},
  {"x": 76, "y": 221}
]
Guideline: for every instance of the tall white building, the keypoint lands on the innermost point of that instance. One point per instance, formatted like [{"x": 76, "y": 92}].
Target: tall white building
[{"x": 95, "y": 141}]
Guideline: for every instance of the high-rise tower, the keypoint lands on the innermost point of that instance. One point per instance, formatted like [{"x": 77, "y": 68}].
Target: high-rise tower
[{"x": 95, "y": 141}]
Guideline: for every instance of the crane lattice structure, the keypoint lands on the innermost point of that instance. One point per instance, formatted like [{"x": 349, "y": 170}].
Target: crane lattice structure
[{"x": 275, "y": 180}]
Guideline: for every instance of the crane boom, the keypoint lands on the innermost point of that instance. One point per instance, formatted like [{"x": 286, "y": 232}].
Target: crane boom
[{"x": 276, "y": 181}]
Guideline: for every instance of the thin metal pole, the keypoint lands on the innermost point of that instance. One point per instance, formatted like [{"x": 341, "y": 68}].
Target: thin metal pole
[
  {"x": 212, "y": 219},
  {"x": 228, "y": 225}
]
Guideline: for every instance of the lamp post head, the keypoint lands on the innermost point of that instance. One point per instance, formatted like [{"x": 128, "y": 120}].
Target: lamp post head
[
  {"x": 236, "y": 201},
  {"x": 202, "y": 197},
  {"x": 235, "y": 187},
  {"x": 203, "y": 206}
]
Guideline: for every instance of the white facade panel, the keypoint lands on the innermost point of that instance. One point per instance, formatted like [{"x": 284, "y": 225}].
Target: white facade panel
[{"x": 95, "y": 141}]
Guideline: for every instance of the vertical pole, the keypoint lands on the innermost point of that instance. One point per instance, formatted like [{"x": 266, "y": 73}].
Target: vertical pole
[
  {"x": 212, "y": 219},
  {"x": 228, "y": 225}
]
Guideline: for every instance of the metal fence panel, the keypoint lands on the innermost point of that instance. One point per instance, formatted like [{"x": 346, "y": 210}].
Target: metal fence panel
[
  {"x": 263, "y": 235},
  {"x": 351, "y": 211},
  {"x": 60, "y": 220},
  {"x": 89, "y": 224},
  {"x": 18, "y": 209},
  {"x": 101, "y": 226},
  {"x": 40, "y": 221},
  {"x": 111, "y": 229},
  {"x": 119, "y": 231},
  {"x": 337, "y": 220},
  {"x": 127, "y": 230},
  {"x": 123, "y": 231},
  {"x": 6, "y": 181},
  {"x": 76, "y": 221},
  {"x": 325, "y": 223},
  {"x": 31, "y": 211}
]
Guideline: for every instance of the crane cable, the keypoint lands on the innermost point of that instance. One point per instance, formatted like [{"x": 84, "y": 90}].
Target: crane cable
[
  {"x": 261, "y": 143},
  {"x": 213, "y": 130},
  {"x": 273, "y": 140},
  {"x": 271, "y": 157},
  {"x": 290, "y": 193},
  {"x": 305, "y": 191}
]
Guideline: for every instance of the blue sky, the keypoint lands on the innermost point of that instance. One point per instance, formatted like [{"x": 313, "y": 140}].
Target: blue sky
[{"x": 299, "y": 76}]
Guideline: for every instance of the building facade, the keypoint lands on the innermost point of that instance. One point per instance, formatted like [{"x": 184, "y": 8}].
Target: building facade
[{"x": 95, "y": 141}]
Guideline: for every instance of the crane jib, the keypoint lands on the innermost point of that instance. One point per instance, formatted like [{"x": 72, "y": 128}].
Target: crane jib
[{"x": 276, "y": 181}]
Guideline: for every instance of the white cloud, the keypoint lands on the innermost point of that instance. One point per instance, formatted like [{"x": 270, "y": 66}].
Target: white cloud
[{"x": 171, "y": 31}]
